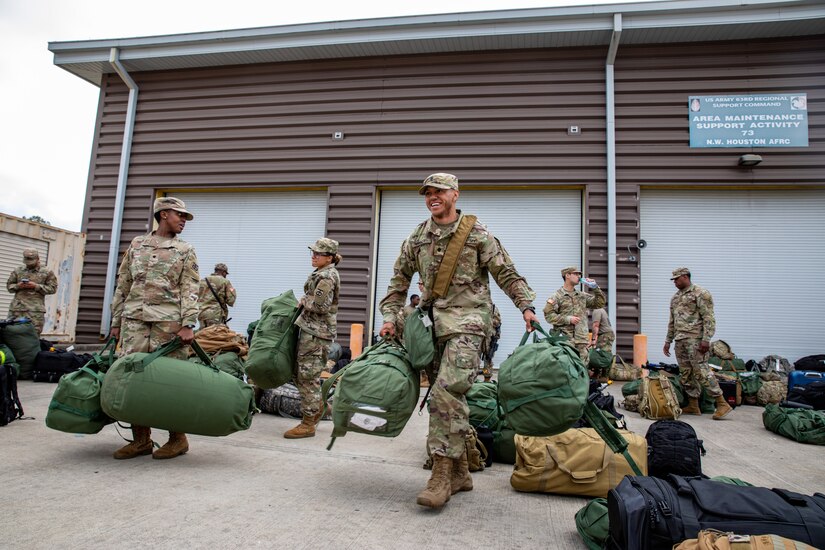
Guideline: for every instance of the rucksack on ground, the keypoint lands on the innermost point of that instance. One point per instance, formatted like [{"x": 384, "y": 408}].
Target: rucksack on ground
[
  {"x": 543, "y": 386},
  {"x": 716, "y": 540},
  {"x": 482, "y": 398},
  {"x": 592, "y": 523},
  {"x": 10, "y": 407},
  {"x": 648, "y": 513},
  {"x": 657, "y": 399},
  {"x": 272, "y": 354},
  {"x": 22, "y": 338},
  {"x": 375, "y": 394},
  {"x": 771, "y": 392},
  {"x": 673, "y": 448}
]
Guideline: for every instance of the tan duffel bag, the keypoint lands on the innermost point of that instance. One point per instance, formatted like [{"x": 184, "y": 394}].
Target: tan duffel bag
[{"x": 575, "y": 462}]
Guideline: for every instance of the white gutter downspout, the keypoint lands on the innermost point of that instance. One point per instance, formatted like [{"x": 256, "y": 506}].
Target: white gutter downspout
[
  {"x": 612, "y": 292},
  {"x": 120, "y": 196}
]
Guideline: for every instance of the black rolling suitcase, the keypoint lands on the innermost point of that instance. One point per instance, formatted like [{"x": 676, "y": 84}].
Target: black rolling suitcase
[
  {"x": 647, "y": 513},
  {"x": 49, "y": 366}
]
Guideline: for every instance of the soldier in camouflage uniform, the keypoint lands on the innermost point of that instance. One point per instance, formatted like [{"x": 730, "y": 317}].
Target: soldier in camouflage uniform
[
  {"x": 491, "y": 344},
  {"x": 156, "y": 299},
  {"x": 215, "y": 295},
  {"x": 692, "y": 325},
  {"x": 462, "y": 322},
  {"x": 567, "y": 309},
  {"x": 318, "y": 329},
  {"x": 30, "y": 283},
  {"x": 602, "y": 333}
]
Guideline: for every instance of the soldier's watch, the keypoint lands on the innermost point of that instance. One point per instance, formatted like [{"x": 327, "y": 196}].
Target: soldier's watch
[
  {"x": 189, "y": 326},
  {"x": 531, "y": 308}
]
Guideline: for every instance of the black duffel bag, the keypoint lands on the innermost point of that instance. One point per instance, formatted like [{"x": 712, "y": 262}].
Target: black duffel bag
[
  {"x": 49, "y": 366},
  {"x": 812, "y": 394},
  {"x": 647, "y": 513},
  {"x": 811, "y": 362}
]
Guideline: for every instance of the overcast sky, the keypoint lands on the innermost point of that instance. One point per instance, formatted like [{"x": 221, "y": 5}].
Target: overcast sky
[{"x": 47, "y": 115}]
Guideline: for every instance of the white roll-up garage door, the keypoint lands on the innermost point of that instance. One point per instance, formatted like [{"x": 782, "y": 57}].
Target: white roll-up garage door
[
  {"x": 761, "y": 255},
  {"x": 541, "y": 229},
  {"x": 263, "y": 239}
]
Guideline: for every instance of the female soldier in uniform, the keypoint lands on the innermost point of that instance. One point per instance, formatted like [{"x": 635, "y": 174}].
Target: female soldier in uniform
[
  {"x": 156, "y": 299},
  {"x": 318, "y": 329}
]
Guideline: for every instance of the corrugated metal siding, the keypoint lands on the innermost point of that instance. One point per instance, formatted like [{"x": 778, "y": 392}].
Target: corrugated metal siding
[
  {"x": 652, "y": 86},
  {"x": 492, "y": 118}
]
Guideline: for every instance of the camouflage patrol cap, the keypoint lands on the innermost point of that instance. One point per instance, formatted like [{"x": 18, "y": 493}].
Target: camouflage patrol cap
[
  {"x": 325, "y": 246},
  {"x": 171, "y": 203},
  {"x": 440, "y": 180},
  {"x": 31, "y": 254},
  {"x": 570, "y": 269},
  {"x": 678, "y": 272},
  {"x": 222, "y": 267}
]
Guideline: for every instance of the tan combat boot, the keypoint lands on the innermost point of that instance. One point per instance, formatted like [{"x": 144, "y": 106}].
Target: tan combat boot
[
  {"x": 693, "y": 407},
  {"x": 141, "y": 444},
  {"x": 722, "y": 408},
  {"x": 460, "y": 478},
  {"x": 176, "y": 446},
  {"x": 305, "y": 429},
  {"x": 438, "y": 491}
]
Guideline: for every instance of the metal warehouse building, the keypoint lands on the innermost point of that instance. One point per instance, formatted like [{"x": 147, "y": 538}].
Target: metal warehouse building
[{"x": 569, "y": 130}]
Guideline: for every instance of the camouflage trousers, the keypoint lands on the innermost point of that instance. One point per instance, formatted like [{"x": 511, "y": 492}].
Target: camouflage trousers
[
  {"x": 138, "y": 336},
  {"x": 458, "y": 361},
  {"x": 312, "y": 358},
  {"x": 38, "y": 318},
  {"x": 584, "y": 352},
  {"x": 605, "y": 341},
  {"x": 694, "y": 371},
  {"x": 210, "y": 320}
]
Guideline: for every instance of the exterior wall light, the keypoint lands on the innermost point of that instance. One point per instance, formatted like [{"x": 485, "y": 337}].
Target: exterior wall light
[{"x": 749, "y": 160}]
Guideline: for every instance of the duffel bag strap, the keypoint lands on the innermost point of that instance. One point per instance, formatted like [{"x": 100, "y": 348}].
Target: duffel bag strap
[
  {"x": 165, "y": 349},
  {"x": 610, "y": 435},
  {"x": 449, "y": 262},
  {"x": 586, "y": 476},
  {"x": 203, "y": 356},
  {"x": 810, "y": 519}
]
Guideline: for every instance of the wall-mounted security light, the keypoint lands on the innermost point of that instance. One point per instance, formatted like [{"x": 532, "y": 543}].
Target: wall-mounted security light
[
  {"x": 749, "y": 160},
  {"x": 337, "y": 135}
]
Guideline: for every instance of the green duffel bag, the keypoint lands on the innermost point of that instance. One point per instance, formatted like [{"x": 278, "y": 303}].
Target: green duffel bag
[
  {"x": 9, "y": 359},
  {"x": 751, "y": 382},
  {"x": 728, "y": 365},
  {"x": 802, "y": 425},
  {"x": 504, "y": 443},
  {"x": 75, "y": 407},
  {"x": 632, "y": 388},
  {"x": 482, "y": 398},
  {"x": 148, "y": 389},
  {"x": 21, "y": 337},
  {"x": 599, "y": 359},
  {"x": 418, "y": 339},
  {"x": 227, "y": 361},
  {"x": 543, "y": 386},
  {"x": 271, "y": 359},
  {"x": 375, "y": 394},
  {"x": 593, "y": 524}
]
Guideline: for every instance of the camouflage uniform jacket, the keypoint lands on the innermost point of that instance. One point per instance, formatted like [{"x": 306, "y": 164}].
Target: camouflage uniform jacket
[
  {"x": 466, "y": 307},
  {"x": 31, "y": 299},
  {"x": 563, "y": 305},
  {"x": 691, "y": 315},
  {"x": 321, "y": 303},
  {"x": 157, "y": 281},
  {"x": 207, "y": 303}
]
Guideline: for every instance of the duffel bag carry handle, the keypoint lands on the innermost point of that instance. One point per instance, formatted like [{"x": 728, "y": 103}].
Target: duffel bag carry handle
[
  {"x": 174, "y": 345},
  {"x": 98, "y": 362},
  {"x": 552, "y": 338}
]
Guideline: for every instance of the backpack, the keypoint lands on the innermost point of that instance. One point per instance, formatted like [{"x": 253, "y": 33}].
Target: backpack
[
  {"x": 22, "y": 338},
  {"x": 721, "y": 349},
  {"x": 605, "y": 403},
  {"x": 592, "y": 523},
  {"x": 7, "y": 357},
  {"x": 543, "y": 386},
  {"x": 657, "y": 398},
  {"x": 271, "y": 359},
  {"x": 599, "y": 359},
  {"x": 10, "y": 407},
  {"x": 771, "y": 392},
  {"x": 482, "y": 398},
  {"x": 774, "y": 363},
  {"x": 375, "y": 394},
  {"x": 673, "y": 448},
  {"x": 711, "y": 539},
  {"x": 284, "y": 401},
  {"x": 811, "y": 362},
  {"x": 812, "y": 394},
  {"x": 802, "y": 425}
]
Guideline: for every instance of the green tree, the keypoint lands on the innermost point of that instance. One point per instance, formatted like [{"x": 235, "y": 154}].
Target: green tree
[{"x": 37, "y": 219}]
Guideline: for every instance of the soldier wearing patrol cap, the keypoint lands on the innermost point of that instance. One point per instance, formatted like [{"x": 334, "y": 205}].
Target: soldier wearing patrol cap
[
  {"x": 215, "y": 295},
  {"x": 567, "y": 309},
  {"x": 155, "y": 300},
  {"x": 692, "y": 325},
  {"x": 462, "y": 318},
  {"x": 30, "y": 284},
  {"x": 318, "y": 329}
]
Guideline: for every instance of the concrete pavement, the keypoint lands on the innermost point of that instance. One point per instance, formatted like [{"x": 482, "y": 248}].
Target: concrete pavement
[{"x": 256, "y": 488}]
